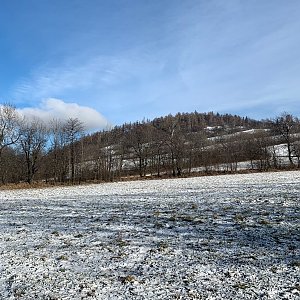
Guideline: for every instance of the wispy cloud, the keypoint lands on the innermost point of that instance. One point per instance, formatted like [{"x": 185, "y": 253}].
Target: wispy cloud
[
  {"x": 74, "y": 74},
  {"x": 107, "y": 83},
  {"x": 51, "y": 109}
]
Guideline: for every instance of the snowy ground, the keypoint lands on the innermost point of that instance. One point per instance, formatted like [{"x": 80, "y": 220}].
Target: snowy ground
[{"x": 222, "y": 237}]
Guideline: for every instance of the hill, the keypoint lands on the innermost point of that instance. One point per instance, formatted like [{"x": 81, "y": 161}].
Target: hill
[
  {"x": 181, "y": 145},
  {"x": 184, "y": 144}
]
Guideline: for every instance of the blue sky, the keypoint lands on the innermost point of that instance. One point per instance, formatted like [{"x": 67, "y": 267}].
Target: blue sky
[{"x": 118, "y": 61}]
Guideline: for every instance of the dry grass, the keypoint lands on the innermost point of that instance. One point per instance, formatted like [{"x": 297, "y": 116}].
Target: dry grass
[
  {"x": 43, "y": 184},
  {"x": 26, "y": 185}
]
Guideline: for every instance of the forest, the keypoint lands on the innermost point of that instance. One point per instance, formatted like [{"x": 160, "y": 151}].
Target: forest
[{"x": 185, "y": 144}]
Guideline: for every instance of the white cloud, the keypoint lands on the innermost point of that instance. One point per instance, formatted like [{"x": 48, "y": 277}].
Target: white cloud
[{"x": 52, "y": 108}]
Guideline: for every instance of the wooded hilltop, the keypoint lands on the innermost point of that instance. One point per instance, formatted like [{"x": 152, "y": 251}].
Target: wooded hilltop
[{"x": 181, "y": 145}]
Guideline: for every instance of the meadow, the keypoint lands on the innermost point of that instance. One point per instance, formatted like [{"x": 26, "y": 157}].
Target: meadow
[{"x": 218, "y": 237}]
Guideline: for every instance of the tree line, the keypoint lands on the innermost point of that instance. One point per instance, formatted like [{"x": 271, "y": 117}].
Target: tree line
[{"x": 179, "y": 145}]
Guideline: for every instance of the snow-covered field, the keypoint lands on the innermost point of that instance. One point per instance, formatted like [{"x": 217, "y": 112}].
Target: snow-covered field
[{"x": 222, "y": 237}]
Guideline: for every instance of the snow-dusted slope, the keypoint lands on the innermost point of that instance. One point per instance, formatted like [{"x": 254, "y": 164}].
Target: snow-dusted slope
[{"x": 223, "y": 237}]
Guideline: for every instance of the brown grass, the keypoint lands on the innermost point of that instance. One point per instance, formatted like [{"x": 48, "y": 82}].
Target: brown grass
[{"x": 43, "y": 184}]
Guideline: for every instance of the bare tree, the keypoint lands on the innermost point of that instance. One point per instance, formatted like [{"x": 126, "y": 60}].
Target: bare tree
[
  {"x": 32, "y": 140},
  {"x": 74, "y": 130},
  {"x": 296, "y": 151},
  {"x": 197, "y": 143},
  {"x": 157, "y": 150},
  {"x": 11, "y": 169},
  {"x": 9, "y": 126},
  {"x": 138, "y": 139},
  {"x": 175, "y": 142},
  {"x": 57, "y": 153},
  {"x": 104, "y": 157},
  {"x": 286, "y": 126}
]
